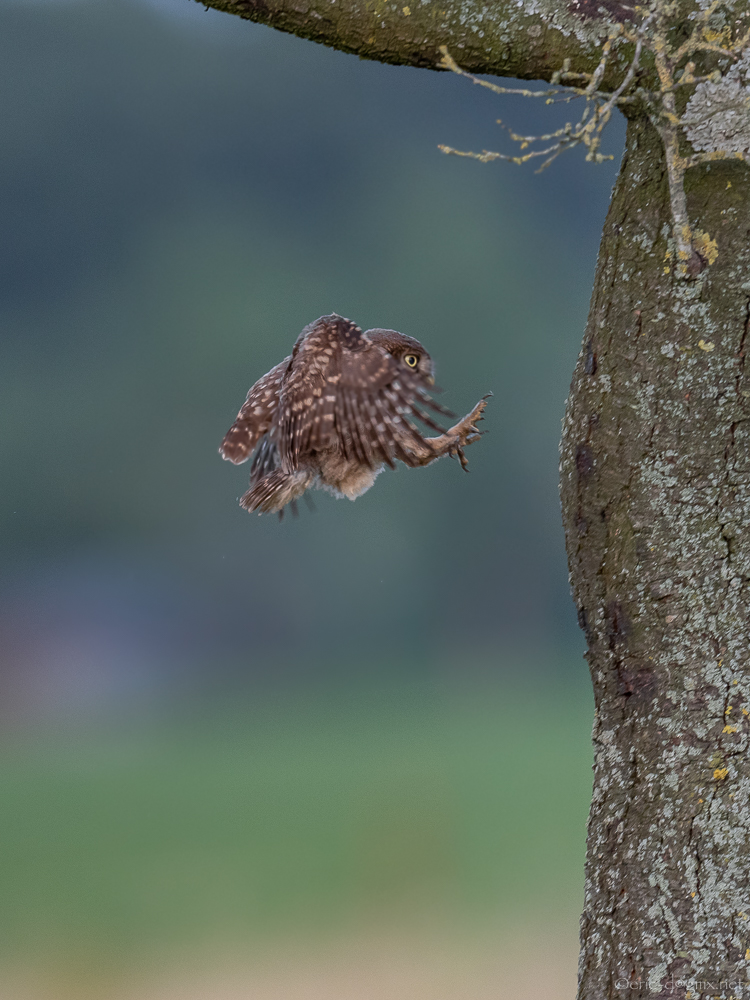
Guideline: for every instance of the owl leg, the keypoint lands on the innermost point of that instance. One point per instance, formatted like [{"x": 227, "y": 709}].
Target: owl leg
[
  {"x": 453, "y": 441},
  {"x": 274, "y": 491}
]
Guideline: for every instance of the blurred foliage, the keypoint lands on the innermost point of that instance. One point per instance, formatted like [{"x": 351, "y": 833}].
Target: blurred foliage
[
  {"x": 296, "y": 815},
  {"x": 180, "y": 195}
]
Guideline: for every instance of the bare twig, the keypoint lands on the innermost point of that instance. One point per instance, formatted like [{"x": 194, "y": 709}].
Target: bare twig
[{"x": 673, "y": 71}]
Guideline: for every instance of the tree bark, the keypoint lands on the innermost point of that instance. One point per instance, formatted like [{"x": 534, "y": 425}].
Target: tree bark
[
  {"x": 655, "y": 486},
  {"x": 656, "y": 505},
  {"x": 528, "y": 40}
]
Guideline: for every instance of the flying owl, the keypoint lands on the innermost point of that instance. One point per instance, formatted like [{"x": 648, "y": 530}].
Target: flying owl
[{"x": 338, "y": 410}]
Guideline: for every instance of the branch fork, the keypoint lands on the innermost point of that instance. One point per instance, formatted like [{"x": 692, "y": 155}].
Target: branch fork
[{"x": 674, "y": 67}]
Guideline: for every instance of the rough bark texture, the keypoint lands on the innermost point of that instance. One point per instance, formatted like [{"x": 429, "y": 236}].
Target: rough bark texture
[
  {"x": 529, "y": 39},
  {"x": 656, "y": 502}
]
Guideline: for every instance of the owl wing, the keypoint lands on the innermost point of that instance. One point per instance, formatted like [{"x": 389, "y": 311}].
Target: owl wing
[
  {"x": 256, "y": 416},
  {"x": 343, "y": 389}
]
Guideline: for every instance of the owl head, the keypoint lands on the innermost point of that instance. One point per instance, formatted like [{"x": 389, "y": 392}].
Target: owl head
[{"x": 406, "y": 350}]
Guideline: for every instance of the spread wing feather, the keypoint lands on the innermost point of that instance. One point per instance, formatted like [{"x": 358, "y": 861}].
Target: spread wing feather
[
  {"x": 343, "y": 389},
  {"x": 256, "y": 416},
  {"x": 266, "y": 459}
]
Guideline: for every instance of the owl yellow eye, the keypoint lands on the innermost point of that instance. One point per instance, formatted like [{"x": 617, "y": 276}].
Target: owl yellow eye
[{"x": 412, "y": 360}]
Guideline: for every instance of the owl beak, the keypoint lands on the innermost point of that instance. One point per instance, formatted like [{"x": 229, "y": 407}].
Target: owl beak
[{"x": 430, "y": 379}]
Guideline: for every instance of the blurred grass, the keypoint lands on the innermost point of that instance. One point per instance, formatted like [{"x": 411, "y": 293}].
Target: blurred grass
[{"x": 245, "y": 820}]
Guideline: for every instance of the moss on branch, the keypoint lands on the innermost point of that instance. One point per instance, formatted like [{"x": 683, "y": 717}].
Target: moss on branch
[{"x": 527, "y": 40}]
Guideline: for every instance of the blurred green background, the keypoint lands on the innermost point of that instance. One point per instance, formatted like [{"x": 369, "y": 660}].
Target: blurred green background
[{"x": 219, "y": 728}]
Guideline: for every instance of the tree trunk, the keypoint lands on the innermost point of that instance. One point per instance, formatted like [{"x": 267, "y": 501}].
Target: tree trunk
[
  {"x": 655, "y": 492},
  {"x": 656, "y": 505}
]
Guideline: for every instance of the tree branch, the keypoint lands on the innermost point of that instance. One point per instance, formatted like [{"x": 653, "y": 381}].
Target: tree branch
[{"x": 528, "y": 40}]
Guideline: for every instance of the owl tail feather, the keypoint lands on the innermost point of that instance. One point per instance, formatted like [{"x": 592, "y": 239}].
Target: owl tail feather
[{"x": 274, "y": 491}]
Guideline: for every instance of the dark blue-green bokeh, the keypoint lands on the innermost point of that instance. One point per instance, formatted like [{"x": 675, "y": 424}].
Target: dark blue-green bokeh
[
  {"x": 219, "y": 724},
  {"x": 182, "y": 192}
]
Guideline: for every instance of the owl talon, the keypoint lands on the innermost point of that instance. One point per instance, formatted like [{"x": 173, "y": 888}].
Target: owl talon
[
  {"x": 458, "y": 437},
  {"x": 458, "y": 452}
]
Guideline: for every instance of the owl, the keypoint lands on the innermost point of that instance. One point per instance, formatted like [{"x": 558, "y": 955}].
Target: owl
[{"x": 335, "y": 412}]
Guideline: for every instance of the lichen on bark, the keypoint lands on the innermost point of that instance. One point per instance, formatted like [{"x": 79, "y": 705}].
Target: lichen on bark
[
  {"x": 527, "y": 39},
  {"x": 656, "y": 501},
  {"x": 716, "y": 119},
  {"x": 717, "y": 115}
]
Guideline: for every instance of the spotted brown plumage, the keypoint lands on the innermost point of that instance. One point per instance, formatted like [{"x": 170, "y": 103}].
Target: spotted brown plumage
[
  {"x": 337, "y": 410},
  {"x": 255, "y": 417}
]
